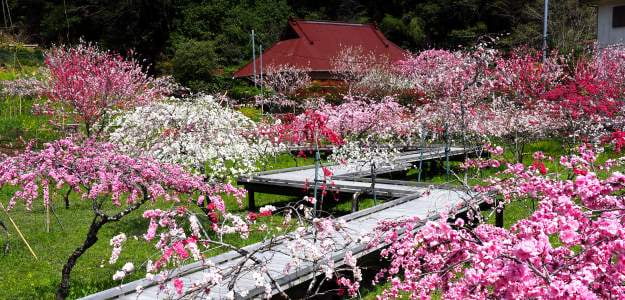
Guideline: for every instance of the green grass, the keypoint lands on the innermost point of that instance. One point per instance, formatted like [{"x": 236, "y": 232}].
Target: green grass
[
  {"x": 20, "y": 58},
  {"x": 17, "y": 123},
  {"x": 251, "y": 112}
]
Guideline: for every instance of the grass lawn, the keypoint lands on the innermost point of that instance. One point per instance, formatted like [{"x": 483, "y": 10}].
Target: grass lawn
[
  {"x": 16, "y": 119},
  {"x": 17, "y": 123}
]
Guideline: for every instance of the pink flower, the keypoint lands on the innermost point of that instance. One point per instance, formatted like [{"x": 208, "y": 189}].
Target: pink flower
[
  {"x": 178, "y": 285},
  {"x": 539, "y": 155},
  {"x": 569, "y": 237}
]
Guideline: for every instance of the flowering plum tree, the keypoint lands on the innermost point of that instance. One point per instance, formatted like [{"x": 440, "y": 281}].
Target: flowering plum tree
[
  {"x": 590, "y": 100},
  {"x": 87, "y": 83},
  {"x": 571, "y": 247},
  {"x": 115, "y": 184},
  {"x": 372, "y": 132},
  {"x": 366, "y": 74},
  {"x": 196, "y": 133},
  {"x": 285, "y": 81},
  {"x": 351, "y": 65},
  {"x": 518, "y": 112},
  {"x": 308, "y": 129},
  {"x": 450, "y": 84}
]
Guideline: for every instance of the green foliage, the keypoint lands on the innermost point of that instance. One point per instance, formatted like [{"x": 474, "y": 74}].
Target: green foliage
[
  {"x": 158, "y": 30},
  {"x": 193, "y": 64},
  {"x": 20, "y": 57},
  {"x": 228, "y": 24},
  {"x": 242, "y": 90},
  {"x": 142, "y": 26}
]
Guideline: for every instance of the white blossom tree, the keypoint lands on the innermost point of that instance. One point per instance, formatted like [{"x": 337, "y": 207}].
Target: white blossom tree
[{"x": 197, "y": 133}]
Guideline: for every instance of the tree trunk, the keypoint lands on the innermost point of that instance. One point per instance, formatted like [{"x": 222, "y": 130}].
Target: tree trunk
[
  {"x": 92, "y": 237},
  {"x": 87, "y": 129},
  {"x": 5, "y": 231},
  {"x": 447, "y": 172},
  {"x": 519, "y": 152},
  {"x": 66, "y": 198}
]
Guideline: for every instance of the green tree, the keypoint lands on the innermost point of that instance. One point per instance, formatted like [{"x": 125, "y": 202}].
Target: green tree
[{"x": 194, "y": 64}]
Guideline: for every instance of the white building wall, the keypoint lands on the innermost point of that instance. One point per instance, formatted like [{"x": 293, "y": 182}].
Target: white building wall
[{"x": 606, "y": 34}]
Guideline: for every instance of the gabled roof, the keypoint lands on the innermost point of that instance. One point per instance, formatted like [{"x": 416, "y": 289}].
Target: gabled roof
[{"x": 313, "y": 45}]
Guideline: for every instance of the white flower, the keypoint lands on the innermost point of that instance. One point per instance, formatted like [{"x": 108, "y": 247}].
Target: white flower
[
  {"x": 230, "y": 295},
  {"x": 258, "y": 279},
  {"x": 267, "y": 208},
  {"x": 119, "y": 275},
  {"x": 128, "y": 267}
]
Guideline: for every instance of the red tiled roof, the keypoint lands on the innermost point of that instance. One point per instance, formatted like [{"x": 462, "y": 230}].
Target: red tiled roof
[{"x": 317, "y": 43}]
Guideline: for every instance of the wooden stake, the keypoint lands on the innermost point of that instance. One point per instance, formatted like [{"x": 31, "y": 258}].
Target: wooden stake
[
  {"x": 19, "y": 232},
  {"x": 48, "y": 218}
]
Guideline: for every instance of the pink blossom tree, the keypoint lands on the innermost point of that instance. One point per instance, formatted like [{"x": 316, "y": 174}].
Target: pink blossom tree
[
  {"x": 590, "y": 100},
  {"x": 572, "y": 246},
  {"x": 111, "y": 181},
  {"x": 373, "y": 131},
  {"x": 366, "y": 73},
  {"x": 351, "y": 65},
  {"x": 308, "y": 129},
  {"x": 450, "y": 84},
  {"x": 87, "y": 84}
]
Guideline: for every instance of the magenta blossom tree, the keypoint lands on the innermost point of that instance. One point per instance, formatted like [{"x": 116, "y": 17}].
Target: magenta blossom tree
[
  {"x": 516, "y": 111},
  {"x": 87, "y": 84}
]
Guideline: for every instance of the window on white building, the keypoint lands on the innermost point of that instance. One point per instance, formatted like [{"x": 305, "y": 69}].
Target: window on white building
[{"x": 618, "y": 16}]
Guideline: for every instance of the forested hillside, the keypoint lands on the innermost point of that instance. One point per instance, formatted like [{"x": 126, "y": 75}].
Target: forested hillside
[{"x": 202, "y": 42}]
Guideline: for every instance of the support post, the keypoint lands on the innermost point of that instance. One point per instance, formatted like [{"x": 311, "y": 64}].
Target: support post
[
  {"x": 251, "y": 202},
  {"x": 373, "y": 170},
  {"x": 355, "y": 201},
  {"x": 545, "y": 27},
  {"x": 447, "y": 160},
  {"x": 421, "y": 157},
  {"x": 254, "y": 58},
  {"x": 498, "y": 215},
  {"x": 317, "y": 166}
]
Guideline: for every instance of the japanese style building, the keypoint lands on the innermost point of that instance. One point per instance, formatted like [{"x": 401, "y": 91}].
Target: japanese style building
[{"x": 314, "y": 45}]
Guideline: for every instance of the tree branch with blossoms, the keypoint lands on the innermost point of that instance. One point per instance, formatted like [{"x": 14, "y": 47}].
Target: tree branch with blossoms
[
  {"x": 309, "y": 242},
  {"x": 195, "y": 132}
]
